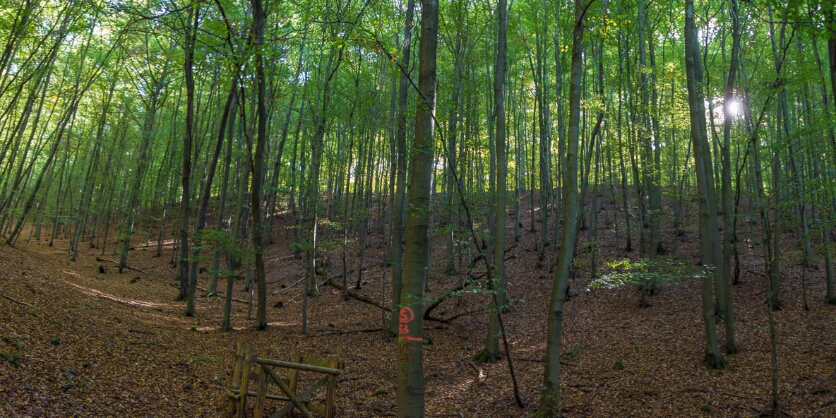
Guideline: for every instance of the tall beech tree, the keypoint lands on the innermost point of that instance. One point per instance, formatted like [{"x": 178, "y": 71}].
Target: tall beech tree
[
  {"x": 411, "y": 322},
  {"x": 550, "y": 393},
  {"x": 491, "y": 351},
  {"x": 709, "y": 241}
]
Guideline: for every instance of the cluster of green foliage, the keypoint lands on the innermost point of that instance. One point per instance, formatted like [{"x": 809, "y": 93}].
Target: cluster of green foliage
[{"x": 642, "y": 272}]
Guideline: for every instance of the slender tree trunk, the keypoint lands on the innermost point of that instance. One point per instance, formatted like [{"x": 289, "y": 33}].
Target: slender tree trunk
[
  {"x": 491, "y": 351},
  {"x": 142, "y": 166},
  {"x": 257, "y": 158},
  {"x": 188, "y": 137},
  {"x": 625, "y": 190},
  {"x": 708, "y": 212},
  {"x": 452, "y": 187},
  {"x": 81, "y": 218},
  {"x": 203, "y": 204},
  {"x": 728, "y": 213},
  {"x": 397, "y": 233},
  {"x": 550, "y": 394},
  {"x": 410, "y": 332}
]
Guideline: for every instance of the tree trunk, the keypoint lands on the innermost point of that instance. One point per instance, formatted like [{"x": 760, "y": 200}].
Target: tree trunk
[
  {"x": 410, "y": 332},
  {"x": 491, "y": 351},
  {"x": 257, "y": 163},
  {"x": 550, "y": 394},
  {"x": 728, "y": 213},
  {"x": 397, "y": 233},
  {"x": 708, "y": 211},
  {"x": 188, "y": 137}
]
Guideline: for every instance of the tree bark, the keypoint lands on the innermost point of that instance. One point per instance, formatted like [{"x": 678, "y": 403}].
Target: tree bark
[
  {"x": 491, "y": 352},
  {"x": 188, "y": 137},
  {"x": 257, "y": 164},
  {"x": 550, "y": 394},
  {"x": 410, "y": 332},
  {"x": 708, "y": 211},
  {"x": 728, "y": 212},
  {"x": 397, "y": 233}
]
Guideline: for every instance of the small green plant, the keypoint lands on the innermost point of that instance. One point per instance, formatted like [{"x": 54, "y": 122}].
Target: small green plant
[
  {"x": 10, "y": 356},
  {"x": 378, "y": 392},
  {"x": 705, "y": 408},
  {"x": 203, "y": 358},
  {"x": 14, "y": 342},
  {"x": 645, "y": 272},
  {"x": 571, "y": 353},
  {"x": 766, "y": 329},
  {"x": 553, "y": 398},
  {"x": 81, "y": 384}
]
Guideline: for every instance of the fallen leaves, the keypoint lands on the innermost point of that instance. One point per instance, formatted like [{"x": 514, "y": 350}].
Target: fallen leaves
[{"x": 123, "y": 348}]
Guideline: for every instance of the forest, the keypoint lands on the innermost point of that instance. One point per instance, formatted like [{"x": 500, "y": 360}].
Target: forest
[{"x": 470, "y": 208}]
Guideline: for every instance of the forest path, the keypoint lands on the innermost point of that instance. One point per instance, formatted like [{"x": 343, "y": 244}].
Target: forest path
[{"x": 84, "y": 350}]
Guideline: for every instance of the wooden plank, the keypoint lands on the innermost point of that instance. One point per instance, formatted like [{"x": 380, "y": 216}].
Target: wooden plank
[
  {"x": 254, "y": 376},
  {"x": 294, "y": 374},
  {"x": 245, "y": 379},
  {"x": 235, "y": 378},
  {"x": 287, "y": 392},
  {"x": 269, "y": 396},
  {"x": 314, "y": 362},
  {"x": 297, "y": 366},
  {"x": 315, "y": 408},
  {"x": 262, "y": 389},
  {"x": 289, "y": 407},
  {"x": 330, "y": 393}
]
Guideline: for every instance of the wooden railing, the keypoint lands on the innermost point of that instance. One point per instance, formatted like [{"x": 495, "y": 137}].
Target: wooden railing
[{"x": 264, "y": 375}]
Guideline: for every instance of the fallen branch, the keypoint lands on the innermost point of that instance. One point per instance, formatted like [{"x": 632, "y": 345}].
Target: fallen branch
[
  {"x": 741, "y": 396},
  {"x": 444, "y": 297},
  {"x": 534, "y": 360},
  {"x": 451, "y": 292},
  {"x": 354, "y": 331},
  {"x": 222, "y": 295},
  {"x": 445, "y": 320},
  {"x": 359, "y": 296},
  {"x": 281, "y": 304},
  {"x": 19, "y": 302},
  {"x": 303, "y": 279},
  {"x": 755, "y": 273},
  {"x": 727, "y": 394},
  {"x": 116, "y": 262},
  {"x": 288, "y": 287}
]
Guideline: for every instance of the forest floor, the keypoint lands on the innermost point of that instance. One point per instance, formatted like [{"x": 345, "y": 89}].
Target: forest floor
[{"x": 77, "y": 342}]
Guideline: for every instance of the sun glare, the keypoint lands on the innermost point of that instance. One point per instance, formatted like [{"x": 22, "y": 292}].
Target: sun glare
[{"x": 734, "y": 107}]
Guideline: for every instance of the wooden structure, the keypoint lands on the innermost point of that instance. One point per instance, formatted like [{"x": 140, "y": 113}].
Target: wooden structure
[{"x": 264, "y": 375}]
